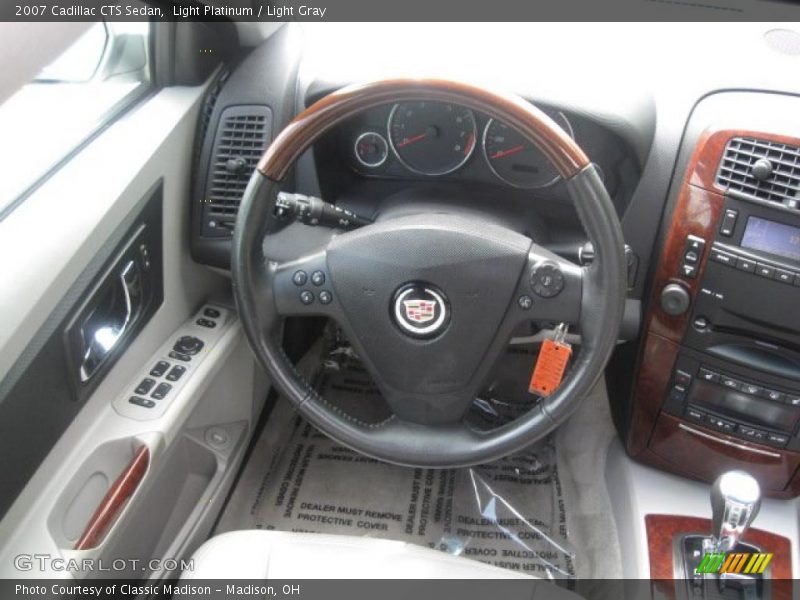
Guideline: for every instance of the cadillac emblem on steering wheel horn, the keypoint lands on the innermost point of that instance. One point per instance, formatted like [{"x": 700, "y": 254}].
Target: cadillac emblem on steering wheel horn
[{"x": 420, "y": 309}]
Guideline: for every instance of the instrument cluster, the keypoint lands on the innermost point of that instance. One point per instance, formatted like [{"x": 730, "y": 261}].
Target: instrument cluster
[{"x": 435, "y": 139}]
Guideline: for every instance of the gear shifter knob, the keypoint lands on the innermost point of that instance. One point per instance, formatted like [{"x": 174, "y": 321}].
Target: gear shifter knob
[{"x": 735, "y": 500}]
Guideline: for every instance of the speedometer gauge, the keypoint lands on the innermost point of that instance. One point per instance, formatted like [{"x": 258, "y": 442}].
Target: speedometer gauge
[
  {"x": 516, "y": 160},
  {"x": 432, "y": 138}
]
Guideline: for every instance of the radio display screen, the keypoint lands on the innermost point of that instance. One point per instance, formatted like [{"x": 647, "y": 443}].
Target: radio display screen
[{"x": 772, "y": 237}]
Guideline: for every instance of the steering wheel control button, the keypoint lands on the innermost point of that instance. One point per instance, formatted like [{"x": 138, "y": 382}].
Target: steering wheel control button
[
  {"x": 306, "y": 297},
  {"x": 176, "y": 373},
  {"x": 143, "y": 402},
  {"x": 299, "y": 278},
  {"x": 420, "y": 310},
  {"x": 144, "y": 386},
  {"x": 525, "y": 302},
  {"x": 547, "y": 280},
  {"x": 325, "y": 297},
  {"x": 318, "y": 278},
  {"x": 159, "y": 369},
  {"x": 188, "y": 344},
  {"x": 161, "y": 391}
]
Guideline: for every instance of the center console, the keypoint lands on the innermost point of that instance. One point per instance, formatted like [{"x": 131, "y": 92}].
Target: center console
[{"x": 718, "y": 380}]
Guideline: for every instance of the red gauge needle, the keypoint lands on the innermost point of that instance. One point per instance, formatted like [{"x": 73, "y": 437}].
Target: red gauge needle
[
  {"x": 411, "y": 140},
  {"x": 508, "y": 152}
]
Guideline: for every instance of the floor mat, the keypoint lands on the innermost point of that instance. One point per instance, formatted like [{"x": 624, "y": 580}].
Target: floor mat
[{"x": 511, "y": 513}]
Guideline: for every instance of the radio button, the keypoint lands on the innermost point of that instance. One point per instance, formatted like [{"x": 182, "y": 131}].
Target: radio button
[
  {"x": 689, "y": 271},
  {"x": 777, "y": 439},
  {"x": 773, "y": 395},
  {"x": 745, "y": 264},
  {"x": 682, "y": 378},
  {"x": 752, "y": 389},
  {"x": 793, "y": 400},
  {"x": 763, "y": 270},
  {"x": 731, "y": 383},
  {"x": 707, "y": 375},
  {"x": 696, "y": 244},
  {"x": 694, "y": 414},
  {"x": 677, "y": 393},
  {"x": 723, "y": 258},
  {"x": 751, "y": 433},
  {"x": 784, "y": 276},
  {"x": 728, "y": 223},
  {"x": 721, "y": 424}
]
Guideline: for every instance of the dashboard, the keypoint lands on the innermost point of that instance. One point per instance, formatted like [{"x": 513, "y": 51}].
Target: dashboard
[
  {"x": 418, "y": 149},
  {"x": 435, "y": 139}
]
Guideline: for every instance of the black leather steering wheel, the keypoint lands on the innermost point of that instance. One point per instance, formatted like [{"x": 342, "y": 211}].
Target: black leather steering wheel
[{"x": 430, "y": 301}]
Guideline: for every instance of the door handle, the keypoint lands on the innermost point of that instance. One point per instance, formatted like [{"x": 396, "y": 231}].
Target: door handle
[{"x": 106, "y": 325}]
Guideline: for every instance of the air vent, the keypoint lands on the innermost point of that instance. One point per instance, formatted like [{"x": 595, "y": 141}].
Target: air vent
[
  {"x": 762, "y": 170},
  {"x": 241, "y": 139}
]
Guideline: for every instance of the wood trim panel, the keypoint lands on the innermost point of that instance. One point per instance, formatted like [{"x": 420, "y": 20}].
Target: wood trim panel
[
  {"x": 697, "y": 212},
  {"x": 681, "y": 448},
  {"x": 661, "y": 533},
  {"x": 114, "y": 501},
  {"x": 658, "y": 360},
  {"x": 308, "y": 126}
]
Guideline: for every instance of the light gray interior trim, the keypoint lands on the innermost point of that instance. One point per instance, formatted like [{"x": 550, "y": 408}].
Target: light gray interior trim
[{"x": 22, "y": 60}]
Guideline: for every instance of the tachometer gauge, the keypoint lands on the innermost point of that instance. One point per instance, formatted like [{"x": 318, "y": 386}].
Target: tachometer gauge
[
  {"x": 517, "y": 161},
  {"x": 432, "y": 138},
  {"x": 371, "y": 149}
]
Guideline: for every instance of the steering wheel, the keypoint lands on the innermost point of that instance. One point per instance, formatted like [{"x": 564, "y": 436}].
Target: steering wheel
[{"x": 429, "y": 302}]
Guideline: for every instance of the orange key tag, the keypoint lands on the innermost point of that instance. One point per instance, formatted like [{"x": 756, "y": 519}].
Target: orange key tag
[{"x": 551, "y": 363}]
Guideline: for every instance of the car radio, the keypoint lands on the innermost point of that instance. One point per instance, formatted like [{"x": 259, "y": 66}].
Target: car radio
[{"x": 738, "y": 368}]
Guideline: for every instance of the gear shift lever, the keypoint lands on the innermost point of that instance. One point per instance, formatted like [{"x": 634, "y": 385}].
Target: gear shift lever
[{"x": 735, "y": 500}]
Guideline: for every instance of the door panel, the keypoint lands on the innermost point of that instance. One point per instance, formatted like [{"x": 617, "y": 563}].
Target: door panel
[
  {"x": 110, "y": 182},
  {"x": 75, "y": 351}
]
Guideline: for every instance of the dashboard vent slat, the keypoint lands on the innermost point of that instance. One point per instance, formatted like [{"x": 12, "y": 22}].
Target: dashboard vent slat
[
  {"x": 761, "y": 169},
  {"x": 242, "y": 136}
]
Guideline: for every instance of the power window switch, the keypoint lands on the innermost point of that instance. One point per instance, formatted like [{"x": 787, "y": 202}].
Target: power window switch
[
  {"x": 161, "y": 391},
  {"x": 211, "y": 313},
  {"x": 159, "y": 369},
  {"x": 176, "y": 373},
  {"x": 145, "y": 385},
  {"x": 206, "y": 323},
  {"x": 144, "y": 402},
  {"x": 180, "y": 356}
]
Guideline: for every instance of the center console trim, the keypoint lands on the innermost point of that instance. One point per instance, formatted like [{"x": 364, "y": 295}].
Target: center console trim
[
  {"x": 698, "y": 212},
  {"x": 720, "y": 440}
]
